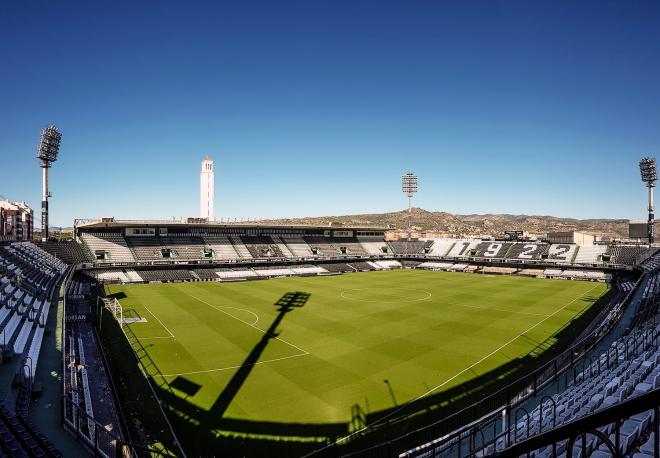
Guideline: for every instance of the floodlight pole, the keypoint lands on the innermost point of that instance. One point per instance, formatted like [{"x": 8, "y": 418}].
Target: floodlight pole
[
  {"x": 410, "y": 196},
  {"x": 409, "y": 185},
  {"x": 44, "y": 202},
  {"x": 649, "y": 173},
  {"x": 49, "y": 148},
  {"x": 651, "y": 236}
]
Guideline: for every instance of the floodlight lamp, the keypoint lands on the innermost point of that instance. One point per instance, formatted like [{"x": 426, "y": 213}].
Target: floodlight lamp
[
  {"x": 409, "y": 184},
  {"x": 648, "y": 170},
  {"x": 49, "y": 145}
]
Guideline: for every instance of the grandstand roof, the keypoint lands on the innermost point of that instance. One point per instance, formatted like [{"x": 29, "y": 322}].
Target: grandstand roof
[{"x": 111, "y": 223}]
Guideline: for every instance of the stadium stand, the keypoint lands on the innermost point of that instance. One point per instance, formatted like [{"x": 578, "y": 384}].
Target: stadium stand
[
  {"x": 585, "y": 275},
  {"x": 69, "y": 252},
  {"x": 133, "y": 276},
  {"x": 374, "y": 247},
  {"x": 334, "y": 247},
  {"x": 240, "y": 247},
  {"x": 410, "y": 246},
  {"x": 108, "y": 275},
  {"x": 263, "y": 271},
  {"x": 441, "y": 247},
  {"x": 462, "y": 248},
  {"x": 262, "y": 247},
  {"x": 183, "y": 246},
  {"x": 78, "y": 290},
  {"x": 282, "y": 247},
  {"x": 322, "y": 246},
  {"x": 528, "y": 251},
  {"x": 387, "y": 264},
  {"x": 590, "y": 254},
  {"x": 361, "y": 266},
  {"x": 146, "y": 248},
  {"x": 531, "y": 272},
  {"x": 308, "y": 270},
  {"x": 21, "y": 439},
  {"x": 492, "y": 249},
  {"x": 107, "y": 246},
  {"x": 221, "y": 246},
  {"x": 562, "y": 252},
  {"x": 652, "y": 263},
  {"x": 618, "y": 377},
  {"x": 165, "y": 275},
  {"x": 88, "y": 409},
  {"x": 626, "y": 286},
  {"x": 552, "y": 272},
  {"x": 499, "y": 270},
  {"x": 620, "y": 254},
  {"x": 29, "y": 283},
  {"x": 349, "y": 246},
  {"x": 235, "y": 274},
  {"x": 338, "y": 267},
  {"x": 206, "y": 274},
  {"x": 435, "y": 265},
  {"x": 298, "y": 246}
]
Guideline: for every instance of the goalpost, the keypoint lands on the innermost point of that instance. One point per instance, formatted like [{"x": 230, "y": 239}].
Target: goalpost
[
  {"x": 117, "y": 311},
  {"x": 113, "y": 306}
]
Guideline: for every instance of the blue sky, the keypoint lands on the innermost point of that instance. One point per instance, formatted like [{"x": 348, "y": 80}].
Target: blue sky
[{"x": 314, "y": 108}]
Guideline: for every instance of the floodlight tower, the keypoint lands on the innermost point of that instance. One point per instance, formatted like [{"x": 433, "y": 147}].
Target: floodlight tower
[
  {"x": 649, "y": 174},
  {"x": 49, "y": 148},
  {"x": 409, "y": 187}
]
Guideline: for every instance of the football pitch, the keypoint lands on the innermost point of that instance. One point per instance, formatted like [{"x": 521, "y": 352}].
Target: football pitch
[{"x": 309, "y": 349}]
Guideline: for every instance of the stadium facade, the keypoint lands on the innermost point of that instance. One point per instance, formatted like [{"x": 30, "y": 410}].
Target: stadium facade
[{"x": 16, "y": 221}]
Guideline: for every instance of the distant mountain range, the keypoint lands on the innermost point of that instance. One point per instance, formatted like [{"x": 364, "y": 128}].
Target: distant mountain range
[{"x": 489, "y": 224}]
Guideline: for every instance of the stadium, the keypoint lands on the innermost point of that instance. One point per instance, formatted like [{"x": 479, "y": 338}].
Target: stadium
[
  {"x": 362, "y": 264},
  {"x": 197, "y": 337}
]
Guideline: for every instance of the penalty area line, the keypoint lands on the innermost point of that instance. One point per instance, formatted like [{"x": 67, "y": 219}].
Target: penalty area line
[
  {"x": 234, "y": 367},
  {"x": 456, "y": 304},
  {"x": 249, "y": 324},
  {"x": 171, "y": 335}
]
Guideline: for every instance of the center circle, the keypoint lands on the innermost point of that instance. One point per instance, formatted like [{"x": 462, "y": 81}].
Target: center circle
[{"x": 386, "y": 295}]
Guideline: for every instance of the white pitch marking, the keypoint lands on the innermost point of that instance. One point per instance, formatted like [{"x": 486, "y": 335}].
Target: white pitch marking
[
  {"x": 249, "y": 324},
  {"x": 256, "y": 317},
  {"x": 380, "y": 420},
  {"x": 426, "y": 297},
  {"x": 496, "y": 309},
  {"x": 171, "y": 336},
  {"x": 235, "y": 367},
  {"x": 157, "y": 337}
]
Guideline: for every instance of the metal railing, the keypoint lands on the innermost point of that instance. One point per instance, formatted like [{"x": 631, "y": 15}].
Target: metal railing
[
  {"x": 577, "y": 432},
  {"x": 503, "y": 426},
  {"x": 101, "y": 441},
  {"x": 76, "y": 420}
]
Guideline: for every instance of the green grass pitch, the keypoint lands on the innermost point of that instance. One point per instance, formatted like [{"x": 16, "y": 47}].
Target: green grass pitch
[{"x": 372, "y": 339}]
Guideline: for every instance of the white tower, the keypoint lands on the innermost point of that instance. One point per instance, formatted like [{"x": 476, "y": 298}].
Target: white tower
[{"x": 207, "y": 189}]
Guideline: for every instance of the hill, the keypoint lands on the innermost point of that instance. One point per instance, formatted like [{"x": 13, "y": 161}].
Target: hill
[{"x": 468, "y": 224}]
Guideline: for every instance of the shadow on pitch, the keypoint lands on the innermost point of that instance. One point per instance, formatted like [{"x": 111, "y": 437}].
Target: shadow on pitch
[
  {"x": 198, "y": 427},
  {"x": 206, "y": 432},
  {"x": 285, "y": 304}
]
